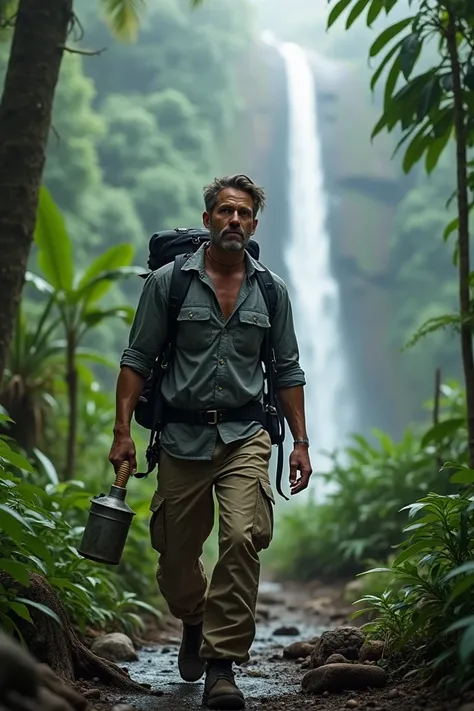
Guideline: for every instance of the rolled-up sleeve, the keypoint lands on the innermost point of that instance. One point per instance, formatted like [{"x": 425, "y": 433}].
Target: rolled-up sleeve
[
  {"x": 148, "y": 329},
  {"x": 289, "y": 373}
]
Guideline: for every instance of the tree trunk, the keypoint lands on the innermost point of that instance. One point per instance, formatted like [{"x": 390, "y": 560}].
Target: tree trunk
[
  {"x": 41, "y": 30},
  {"x": 463, "y": 234},
  {"x": 58, "y": 646},
  {"x": 71, "y": 379}
]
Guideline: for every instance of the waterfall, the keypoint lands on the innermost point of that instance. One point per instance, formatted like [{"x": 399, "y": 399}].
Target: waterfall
[{"x": 314, "y": 290}]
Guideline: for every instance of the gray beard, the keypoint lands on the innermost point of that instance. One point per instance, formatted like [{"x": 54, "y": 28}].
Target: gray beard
[{"x": 229, "y": 243}]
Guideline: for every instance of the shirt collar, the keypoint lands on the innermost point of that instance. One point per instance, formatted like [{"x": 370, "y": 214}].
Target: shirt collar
[{"x": 196, "y": 262}]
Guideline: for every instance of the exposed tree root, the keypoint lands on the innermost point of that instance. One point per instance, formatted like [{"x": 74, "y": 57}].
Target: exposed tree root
[{"x": 59, "y": 647}]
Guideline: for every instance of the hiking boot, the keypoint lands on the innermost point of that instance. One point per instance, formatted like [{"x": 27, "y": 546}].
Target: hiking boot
[
  {"x": 191, "y": 666},
  {"x": 220, "y": 689}
]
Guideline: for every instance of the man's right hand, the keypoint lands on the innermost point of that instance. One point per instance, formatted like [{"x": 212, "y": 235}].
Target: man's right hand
[{"x": 123, "y": 450}]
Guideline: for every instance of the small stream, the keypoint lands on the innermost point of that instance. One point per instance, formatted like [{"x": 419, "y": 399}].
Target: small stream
[{"x": 266, "y": 675}]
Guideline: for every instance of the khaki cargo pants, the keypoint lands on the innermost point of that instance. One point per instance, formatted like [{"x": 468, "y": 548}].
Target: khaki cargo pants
[{"x": 183, "y": 518}]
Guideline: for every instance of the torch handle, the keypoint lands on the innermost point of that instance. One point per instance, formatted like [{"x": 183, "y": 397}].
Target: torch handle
[{"x": 122, "y": 475}]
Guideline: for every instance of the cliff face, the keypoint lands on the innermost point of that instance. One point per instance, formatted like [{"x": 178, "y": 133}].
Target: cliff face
[{"x": 363, "y": 186}]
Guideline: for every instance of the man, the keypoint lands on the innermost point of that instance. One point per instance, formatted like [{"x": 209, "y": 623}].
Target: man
[{"x": 216, "y": 365}]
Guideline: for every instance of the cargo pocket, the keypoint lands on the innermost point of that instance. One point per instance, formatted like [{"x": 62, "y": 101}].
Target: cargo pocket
[
  {"x": 262, "y": 532},
  {"x": 157, "y": 522}
]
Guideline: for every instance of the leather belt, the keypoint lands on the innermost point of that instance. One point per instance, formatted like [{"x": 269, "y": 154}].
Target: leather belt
[{"x": 251, "y": 412}]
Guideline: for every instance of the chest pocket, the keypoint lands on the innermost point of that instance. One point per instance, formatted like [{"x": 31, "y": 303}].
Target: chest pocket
[
  {"x": 194, "y": 328},
  {"x": 249, "y": 330}
]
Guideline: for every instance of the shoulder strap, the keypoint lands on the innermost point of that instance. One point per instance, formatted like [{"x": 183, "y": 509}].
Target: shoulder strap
[
  {"x": 180, "y": 282},
  {"x": 267, "y": 286}
]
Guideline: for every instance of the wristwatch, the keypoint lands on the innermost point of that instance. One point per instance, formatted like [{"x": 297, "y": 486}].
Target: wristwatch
[{"x": 301, "y": 441}]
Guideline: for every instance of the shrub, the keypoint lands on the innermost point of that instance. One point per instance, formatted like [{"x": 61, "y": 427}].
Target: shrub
[
  {"x": 39, "y": 531},
  {"x": 429, "y": 603},
  {"x": 360, "y": 519}
]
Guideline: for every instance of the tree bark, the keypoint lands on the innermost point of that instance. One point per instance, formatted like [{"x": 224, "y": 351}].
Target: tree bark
[
  {"x": 71, "y": 379},
  {"x": 58, "y": 646},
  {"x": 463, "y": 233},
  {"x": 40, "y": 34}
]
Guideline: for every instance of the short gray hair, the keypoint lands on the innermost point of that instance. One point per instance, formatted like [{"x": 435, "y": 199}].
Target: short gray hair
[{"x": 239, "y": 182}]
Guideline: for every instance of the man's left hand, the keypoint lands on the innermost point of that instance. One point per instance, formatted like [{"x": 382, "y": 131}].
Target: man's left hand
[{"x": 300, "y": 469}]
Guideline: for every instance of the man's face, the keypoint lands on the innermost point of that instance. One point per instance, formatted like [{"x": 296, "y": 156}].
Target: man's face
[{"x": 231, "y": 222}]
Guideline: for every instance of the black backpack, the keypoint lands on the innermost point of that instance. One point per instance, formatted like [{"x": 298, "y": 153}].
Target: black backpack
[{"x": 176, "y": 246}]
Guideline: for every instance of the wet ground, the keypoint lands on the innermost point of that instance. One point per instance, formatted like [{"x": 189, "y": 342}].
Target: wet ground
[
  {"x": 270, "y": 682},
  {"x": 266, "y": 677}
]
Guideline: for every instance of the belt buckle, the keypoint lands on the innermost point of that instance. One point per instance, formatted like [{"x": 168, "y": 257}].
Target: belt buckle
[{"x": 214, "y": 417}]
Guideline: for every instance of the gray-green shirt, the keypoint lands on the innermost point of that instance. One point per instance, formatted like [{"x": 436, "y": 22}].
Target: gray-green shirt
[{"x": 216, "y": 363}]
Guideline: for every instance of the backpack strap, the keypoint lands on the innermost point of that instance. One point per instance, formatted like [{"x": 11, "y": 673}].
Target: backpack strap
[
  {"x": 269, "y": 293},
  {"x": 267, "y": 286},
  {"x": 180, "y": 283},
  {"x": 179, "y": 286}
]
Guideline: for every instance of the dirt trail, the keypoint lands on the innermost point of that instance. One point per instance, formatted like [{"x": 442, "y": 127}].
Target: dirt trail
[
  {"x": 269, "y": 681},
  {"x": 263, "y": 680}
]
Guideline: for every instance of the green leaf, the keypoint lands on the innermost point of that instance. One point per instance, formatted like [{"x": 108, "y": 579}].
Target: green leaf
[
  {"x": 42, "y": 608},
  {"x": 21, "y": 610},
  {"x": 356, "y": 11},
  {"x": 460, "y": 570},
  {"x": 412, "y": 551},
  {"x": 435, "y": 150},
  {"x": 452, "y": 227},
  {"x": 123, "y": 17},
  {"x": 388, "y": 34},
  {"x": 463, "y": 476},
  {"x": 95, "y": 316},
  {"x": 430, "y": 96},
  {"x": 99, "y": 285},
  {"x": 374, "y": 11},
  {"x": 443, "y": 429},
  {"x": 391, "y": 82},
  {"x": 54, "y": 246},
  {"x": 409, "y": 53},
  {"x": 147, "y": 607},
  {"x": 460, "y": 588},
  {"x": 47, "y": 466},
  {"x": 460, "y": 624},
  {"x": 33, "y": 543},
  {"x": 88, "y": 354},
  {"x": 13, "y": 524},
  {"x": 119, "y": 255},
  {"x": 384, "y": 63},
  {"x": 17, "y": 570},
  {"x": 466, "y": 645},
  {"x": 12, "y": 457},
  {"x": 337, "y": 11},
  {"x": 415, "y": 150}
]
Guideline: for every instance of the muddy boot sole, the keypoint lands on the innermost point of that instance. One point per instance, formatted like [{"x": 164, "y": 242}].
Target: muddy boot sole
[{"x": 225, "y": 702}]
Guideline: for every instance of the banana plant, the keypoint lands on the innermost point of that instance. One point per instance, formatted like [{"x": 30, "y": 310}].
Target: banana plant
[
  {"x": 34, "y": 363},
  {"x": 74, "y": 299}
]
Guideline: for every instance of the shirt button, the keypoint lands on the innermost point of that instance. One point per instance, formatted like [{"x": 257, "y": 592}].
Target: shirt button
[
  {"x": 255, "y": 319},
  {"x": 222, "y": 361},
  {"x": 219, "y": 387},
  {"x": 190, "y": 314}
]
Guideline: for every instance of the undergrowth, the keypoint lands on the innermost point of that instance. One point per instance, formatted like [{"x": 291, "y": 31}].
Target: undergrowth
[
  {"x": 428, "y": 605},
  {"x": 371, "y": 482},
  {"x": 41, "y": 524}
]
